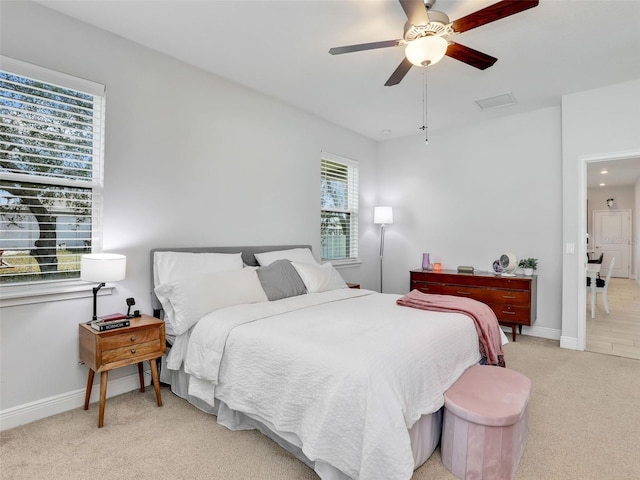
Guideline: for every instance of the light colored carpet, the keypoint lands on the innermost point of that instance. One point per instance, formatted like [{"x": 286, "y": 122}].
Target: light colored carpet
[{"x": 584, "y": 423}]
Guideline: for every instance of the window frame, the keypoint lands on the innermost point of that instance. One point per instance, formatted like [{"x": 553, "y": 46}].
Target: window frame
[
  {"x": 352, "y": 208},
  {"x": 35, "y": 291}
]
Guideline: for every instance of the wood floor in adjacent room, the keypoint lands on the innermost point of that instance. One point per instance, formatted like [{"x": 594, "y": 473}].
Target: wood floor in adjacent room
[{"x": 616, "y": 333}]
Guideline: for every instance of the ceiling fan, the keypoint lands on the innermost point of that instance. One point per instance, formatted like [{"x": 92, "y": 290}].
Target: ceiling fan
[{"x": 426, "y": 31}]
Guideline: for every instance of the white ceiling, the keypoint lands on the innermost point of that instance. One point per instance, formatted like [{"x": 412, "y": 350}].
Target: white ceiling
[
  {"x": 617, "y": 173},
  {"x": 280, "y": 48}
]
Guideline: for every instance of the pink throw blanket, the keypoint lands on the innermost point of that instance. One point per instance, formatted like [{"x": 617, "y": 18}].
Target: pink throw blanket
[{"x": 483, "y": 317}]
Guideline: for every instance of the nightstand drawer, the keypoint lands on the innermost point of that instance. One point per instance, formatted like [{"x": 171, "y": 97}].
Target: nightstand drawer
[
  {"x": 134, "y": 352},
  {"x": 130, "y": 338}
]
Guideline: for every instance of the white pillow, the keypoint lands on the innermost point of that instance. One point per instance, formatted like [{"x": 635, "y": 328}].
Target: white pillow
[
  {"x": 192, "y": 298},
  {"x": 319, "y": 278},
  {"x": 174, "y": 266},
  {"x": 302, "y": 255}
]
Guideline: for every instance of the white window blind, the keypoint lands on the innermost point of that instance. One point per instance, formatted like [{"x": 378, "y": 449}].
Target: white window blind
[
  {"x": 51, "y": 150},
  {"x": 339, "y": 207}
]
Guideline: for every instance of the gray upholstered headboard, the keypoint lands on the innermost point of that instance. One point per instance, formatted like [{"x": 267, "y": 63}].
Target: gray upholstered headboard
[{"x": 248, "y": 256}]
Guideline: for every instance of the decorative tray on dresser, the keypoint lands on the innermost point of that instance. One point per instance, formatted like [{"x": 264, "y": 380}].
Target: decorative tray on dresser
[{"x": 513, "y": 299}]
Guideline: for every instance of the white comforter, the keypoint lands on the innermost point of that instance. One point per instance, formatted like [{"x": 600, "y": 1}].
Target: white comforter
[{"x": 347, "y": 372}]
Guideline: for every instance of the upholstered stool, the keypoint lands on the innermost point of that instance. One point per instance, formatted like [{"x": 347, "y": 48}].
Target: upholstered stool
[{"x": 485, "y": 423}]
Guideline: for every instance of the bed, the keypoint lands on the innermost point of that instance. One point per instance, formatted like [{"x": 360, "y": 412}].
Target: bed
[{"x": 267, "y": 338}]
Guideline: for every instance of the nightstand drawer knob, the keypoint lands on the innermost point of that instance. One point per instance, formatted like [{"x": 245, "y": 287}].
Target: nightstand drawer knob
[
  {"x": 133, "y": 338},
  {"x": 133, "y": 351}
]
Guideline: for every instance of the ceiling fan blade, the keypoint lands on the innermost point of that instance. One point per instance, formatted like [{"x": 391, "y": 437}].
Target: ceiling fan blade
[
  {"x": 365, "y": 46},
  {"x": 416, "y": 11},
  {"x": 470, "y": 56},
  {"x": 492, "y": 13},
  {"x": 397, "y": 76}
]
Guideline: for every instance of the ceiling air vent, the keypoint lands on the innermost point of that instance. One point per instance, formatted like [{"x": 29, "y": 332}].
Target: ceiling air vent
[{"x": 498, "y": 101}]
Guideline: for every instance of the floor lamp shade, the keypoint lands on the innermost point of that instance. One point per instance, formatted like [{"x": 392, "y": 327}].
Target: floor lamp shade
[
  {"x": 383, "y": 215},
  {"x": 103, "y": 267}
]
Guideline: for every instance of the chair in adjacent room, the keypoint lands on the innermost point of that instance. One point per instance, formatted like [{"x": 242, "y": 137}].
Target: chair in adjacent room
[
  {"x": 602, "y": 287},
  {"x": 595, "y": 260}
]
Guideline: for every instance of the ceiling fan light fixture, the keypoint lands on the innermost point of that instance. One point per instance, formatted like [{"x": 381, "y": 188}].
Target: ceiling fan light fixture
[{"x": 426, "y": 50}]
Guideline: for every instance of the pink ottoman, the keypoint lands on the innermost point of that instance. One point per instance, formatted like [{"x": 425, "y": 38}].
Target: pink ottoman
[{"x": 485, "y": 428}]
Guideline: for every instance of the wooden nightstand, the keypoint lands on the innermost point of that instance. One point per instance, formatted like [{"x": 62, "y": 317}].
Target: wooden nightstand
[{"x": 143, "y": 340}]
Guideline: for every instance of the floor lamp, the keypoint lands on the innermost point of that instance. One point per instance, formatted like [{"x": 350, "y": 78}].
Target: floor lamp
[{"x": 382, "y": 216}]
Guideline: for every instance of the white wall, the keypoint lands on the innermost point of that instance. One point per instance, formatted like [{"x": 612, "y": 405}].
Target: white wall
[
  {"x": 598, "y": 124},
  {"x": 191, "y": 159},
  {"x": 473, "y": 193}
]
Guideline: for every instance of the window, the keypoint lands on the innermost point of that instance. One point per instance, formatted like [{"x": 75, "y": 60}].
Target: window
[
  {"x": 51, "y": 149},
  {"x": 339, "y": 208}
]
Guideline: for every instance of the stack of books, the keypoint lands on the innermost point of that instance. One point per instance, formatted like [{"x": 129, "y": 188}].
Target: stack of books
[{"x": 110, "y": 322}]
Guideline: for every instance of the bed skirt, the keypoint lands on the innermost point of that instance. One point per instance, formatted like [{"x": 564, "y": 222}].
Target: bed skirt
[{"x": 424, "y": 434}]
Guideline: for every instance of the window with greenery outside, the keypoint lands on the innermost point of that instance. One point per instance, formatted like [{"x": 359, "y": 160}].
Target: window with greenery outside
[
  {"x": 50, "y": 150},
  {"x": 339, "y": 208}
]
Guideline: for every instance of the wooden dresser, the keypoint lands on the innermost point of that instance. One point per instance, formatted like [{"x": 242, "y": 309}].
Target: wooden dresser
[{"x": 513, "y": 299}]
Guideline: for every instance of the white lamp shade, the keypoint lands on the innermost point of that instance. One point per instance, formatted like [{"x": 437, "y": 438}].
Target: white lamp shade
[
  {"x": 383, "y": 215},
  {"x": 427, "y": 50},
  {"x": 103, "y": 267}
]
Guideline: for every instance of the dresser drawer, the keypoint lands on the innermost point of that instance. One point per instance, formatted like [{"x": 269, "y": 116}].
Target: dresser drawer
[
  {"x": 132, "y": 352},
  {"x": 488, "y": 295},
  {"x": 512, "y": 314},
  {"x": 485, "y": 295},
  {"x": 428, "y": 287}
]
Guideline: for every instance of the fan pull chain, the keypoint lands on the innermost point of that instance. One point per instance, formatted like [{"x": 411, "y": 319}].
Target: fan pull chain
[{"x": 424, "y": 106}]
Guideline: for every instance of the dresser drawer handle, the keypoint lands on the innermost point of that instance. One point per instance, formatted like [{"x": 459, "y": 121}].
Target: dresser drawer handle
[
  {"x": 133, "y": 338},
  {"x": 133, "y": 351},
  {"x": 509, "y": 313},
  {"x": 508, "y": 296},
  {"x": 463, "y": 293}
]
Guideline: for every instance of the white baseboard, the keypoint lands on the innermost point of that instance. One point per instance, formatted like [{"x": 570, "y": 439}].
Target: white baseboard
[
  {"x": 569, "y": 342},
  {"x": 30, "y": 412},
  {"x": 542, "y": 332}
]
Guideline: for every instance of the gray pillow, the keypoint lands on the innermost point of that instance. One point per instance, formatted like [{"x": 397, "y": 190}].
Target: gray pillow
[{"x": 281, "y": 280}]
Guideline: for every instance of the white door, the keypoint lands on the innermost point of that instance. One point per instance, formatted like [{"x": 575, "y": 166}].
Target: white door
[{"x": 612, "y": 232}]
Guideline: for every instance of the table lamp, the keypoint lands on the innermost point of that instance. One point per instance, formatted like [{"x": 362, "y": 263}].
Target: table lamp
[{"x": 101, "y": 267}]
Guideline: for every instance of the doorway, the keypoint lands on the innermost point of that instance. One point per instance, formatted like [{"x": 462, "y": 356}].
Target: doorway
[{"x": 610, "y": 211}]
